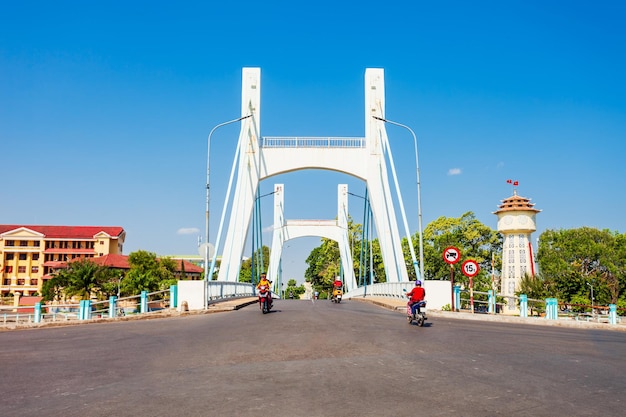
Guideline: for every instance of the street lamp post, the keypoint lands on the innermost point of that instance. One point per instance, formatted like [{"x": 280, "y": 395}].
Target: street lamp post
[
  {"x": 119, "y": 283},
  {"x": 419, "y": 193},
  {"x": 208, "y": 188}
]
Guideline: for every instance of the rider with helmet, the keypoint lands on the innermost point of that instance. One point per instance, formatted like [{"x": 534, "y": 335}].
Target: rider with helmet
[
  {"x": 416, "y": 296},
  {"x": 263, "y": 281}
]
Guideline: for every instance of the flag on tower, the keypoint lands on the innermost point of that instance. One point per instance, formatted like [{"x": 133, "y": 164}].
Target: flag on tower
[
  {"x": 509, "y": 181},
  {"x": 516, "y": 183}
]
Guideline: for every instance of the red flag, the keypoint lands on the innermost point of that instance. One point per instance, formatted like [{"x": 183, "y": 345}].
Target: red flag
[
  {"x": 516, "y": 183},
  {"x": 509, "y": 181}
]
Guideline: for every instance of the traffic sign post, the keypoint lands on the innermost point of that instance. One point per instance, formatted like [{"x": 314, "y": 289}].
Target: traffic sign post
[
  {"x": 451, "y": 255},
  {"x": 470, "y": 269}
]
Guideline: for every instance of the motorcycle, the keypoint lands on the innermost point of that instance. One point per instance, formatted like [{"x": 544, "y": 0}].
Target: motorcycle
[
  {"x": 265, "y": 299},
  {"x": 336, "y": 296},
  {"x": 419, "y": 317}
]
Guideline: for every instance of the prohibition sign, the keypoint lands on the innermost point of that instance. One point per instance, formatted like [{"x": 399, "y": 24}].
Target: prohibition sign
[
  {"x": 451, "y": 255},
  {"x": 470, "y": 268}
]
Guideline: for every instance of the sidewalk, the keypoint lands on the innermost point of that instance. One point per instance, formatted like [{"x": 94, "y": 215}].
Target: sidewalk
[{"x": 398, "y": 304}]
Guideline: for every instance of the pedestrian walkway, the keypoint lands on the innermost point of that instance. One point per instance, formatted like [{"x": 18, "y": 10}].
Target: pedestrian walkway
[{"x": 399, "y": 304}]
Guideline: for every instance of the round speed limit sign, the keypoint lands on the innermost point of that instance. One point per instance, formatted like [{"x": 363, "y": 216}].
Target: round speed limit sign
[{"x": 470, "y": 268}]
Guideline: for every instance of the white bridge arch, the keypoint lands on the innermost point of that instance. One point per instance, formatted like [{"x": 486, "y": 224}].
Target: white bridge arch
[
  {"x": 361, "y": 157},
  {"x": 337, "y": 230}
]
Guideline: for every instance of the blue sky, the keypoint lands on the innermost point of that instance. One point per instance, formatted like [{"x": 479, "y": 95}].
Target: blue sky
[{"x": 105, "y": 108}]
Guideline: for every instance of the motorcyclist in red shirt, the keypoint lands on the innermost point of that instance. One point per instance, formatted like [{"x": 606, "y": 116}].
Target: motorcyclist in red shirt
[{"x": 416, "y": 296}]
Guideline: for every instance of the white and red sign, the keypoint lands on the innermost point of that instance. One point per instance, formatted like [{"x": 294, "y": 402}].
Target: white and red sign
[
  {"x": 470, "y": 268},
  {"x": 451, "y": 255}
]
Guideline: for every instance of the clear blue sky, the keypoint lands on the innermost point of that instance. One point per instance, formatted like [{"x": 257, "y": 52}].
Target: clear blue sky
[{"x": 105, "y": 108}]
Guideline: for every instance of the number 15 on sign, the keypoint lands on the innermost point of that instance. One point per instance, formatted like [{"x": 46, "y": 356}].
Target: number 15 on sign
[{"x": 470, "y": 268}]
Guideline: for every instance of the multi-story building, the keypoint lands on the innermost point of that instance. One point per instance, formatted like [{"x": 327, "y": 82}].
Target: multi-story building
[{"x": 28, "y": 254}]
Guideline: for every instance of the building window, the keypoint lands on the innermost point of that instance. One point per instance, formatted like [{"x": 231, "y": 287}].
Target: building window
[
  {"x": 7, "y": 282},
  {"x": 36, "y": 243},
  {"x": 23, "y": 243},
  {"x": 21, "y": 281},
  {"x": 35, "y": 256},
  {"x": 10, "y": 243},
  {"x": 21, "y": 269},
  {"x": 34, "y": 269},
  {"x": 8, "y": 269},
  {"x": 22, "y": 256},
  {"x": 522, "y": 256},
  {"x": 10, "y": 256},
  {"x": 102, "y": 242},
  {"x": 33, "y": 282}
]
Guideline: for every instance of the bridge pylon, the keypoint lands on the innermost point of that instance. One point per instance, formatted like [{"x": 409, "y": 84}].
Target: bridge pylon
[
  {"x": 337, "y": 230},
  {"x": 361, "y": 157}
]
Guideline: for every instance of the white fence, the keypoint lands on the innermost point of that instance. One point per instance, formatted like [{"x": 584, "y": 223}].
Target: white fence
[{"x": 438, "y": 293}]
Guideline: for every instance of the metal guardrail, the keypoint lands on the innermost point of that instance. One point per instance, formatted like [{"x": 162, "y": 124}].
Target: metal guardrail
[
  {"x": 218, "y": 290},
  {"x": 86, "y": 309},
  {"x": 115, "y": 307},
  {"x": 383, "y": 289}
]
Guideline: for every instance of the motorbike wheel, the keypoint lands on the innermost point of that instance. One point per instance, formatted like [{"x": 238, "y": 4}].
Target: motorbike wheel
[
  {"x": 409, "y": 319},
  {"x": 420, "y": 320},
  {"x": 265, "y": 309}
]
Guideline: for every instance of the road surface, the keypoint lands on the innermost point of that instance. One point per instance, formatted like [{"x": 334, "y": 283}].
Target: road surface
[{"x": 311, "y": 359}]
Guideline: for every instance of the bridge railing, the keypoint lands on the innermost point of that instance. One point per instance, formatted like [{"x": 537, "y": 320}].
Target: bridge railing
[
  {"x": 312, "y": 142},
  {"x": 382, "y": 289},
  {"x": 219, "y": 289},
  {"x": 115, "y": 307}
]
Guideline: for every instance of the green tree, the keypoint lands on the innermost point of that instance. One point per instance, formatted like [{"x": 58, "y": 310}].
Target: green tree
[
  {"x": 324, "y": 265},
  {"x": 82, "y": 278},
  {"x": 324, "y": 261},
  {"x": 147, "y": 273},
  {"x": 261, "y": 260},
  {"x": 578, "y": 259},
  {"x": 109, "y": 279},
  {"x": 473, "y": 239},
  {"x": 297, "y": 290}
]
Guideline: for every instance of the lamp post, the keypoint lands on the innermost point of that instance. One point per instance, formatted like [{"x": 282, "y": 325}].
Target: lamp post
[
  {"x": 419, "y": 193},
  {"x": 119, "y": 283},
  {"x": 208, "y": 188}
]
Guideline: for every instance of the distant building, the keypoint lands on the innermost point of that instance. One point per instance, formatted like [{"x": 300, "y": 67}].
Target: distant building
[
  {"x": 516, "y": 222},
  {"x": 28, "y": 254},
  {"x": 184, "y": 269}
]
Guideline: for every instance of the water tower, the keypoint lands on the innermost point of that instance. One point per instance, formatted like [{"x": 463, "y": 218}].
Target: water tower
[{"x": 516, "y": 222}]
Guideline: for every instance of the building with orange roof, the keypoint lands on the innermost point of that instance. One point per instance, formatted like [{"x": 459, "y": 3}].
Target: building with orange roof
[
  {"x": 184, "y": 269},
  {"x": 28, "y": 254}
]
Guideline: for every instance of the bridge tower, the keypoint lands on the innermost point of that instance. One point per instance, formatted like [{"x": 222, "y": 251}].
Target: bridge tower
[
  {"x": 263, "y": 157},
  {"x": 337, "y": 230},
  {"x": 516, "y": 222}
]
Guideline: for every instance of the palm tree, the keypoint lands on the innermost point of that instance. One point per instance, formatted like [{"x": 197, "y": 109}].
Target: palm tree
[{"x": 82, "y": 279}]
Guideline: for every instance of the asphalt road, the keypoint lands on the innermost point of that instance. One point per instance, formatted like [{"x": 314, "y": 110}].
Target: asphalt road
[{"x": 311, "y": 359}]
